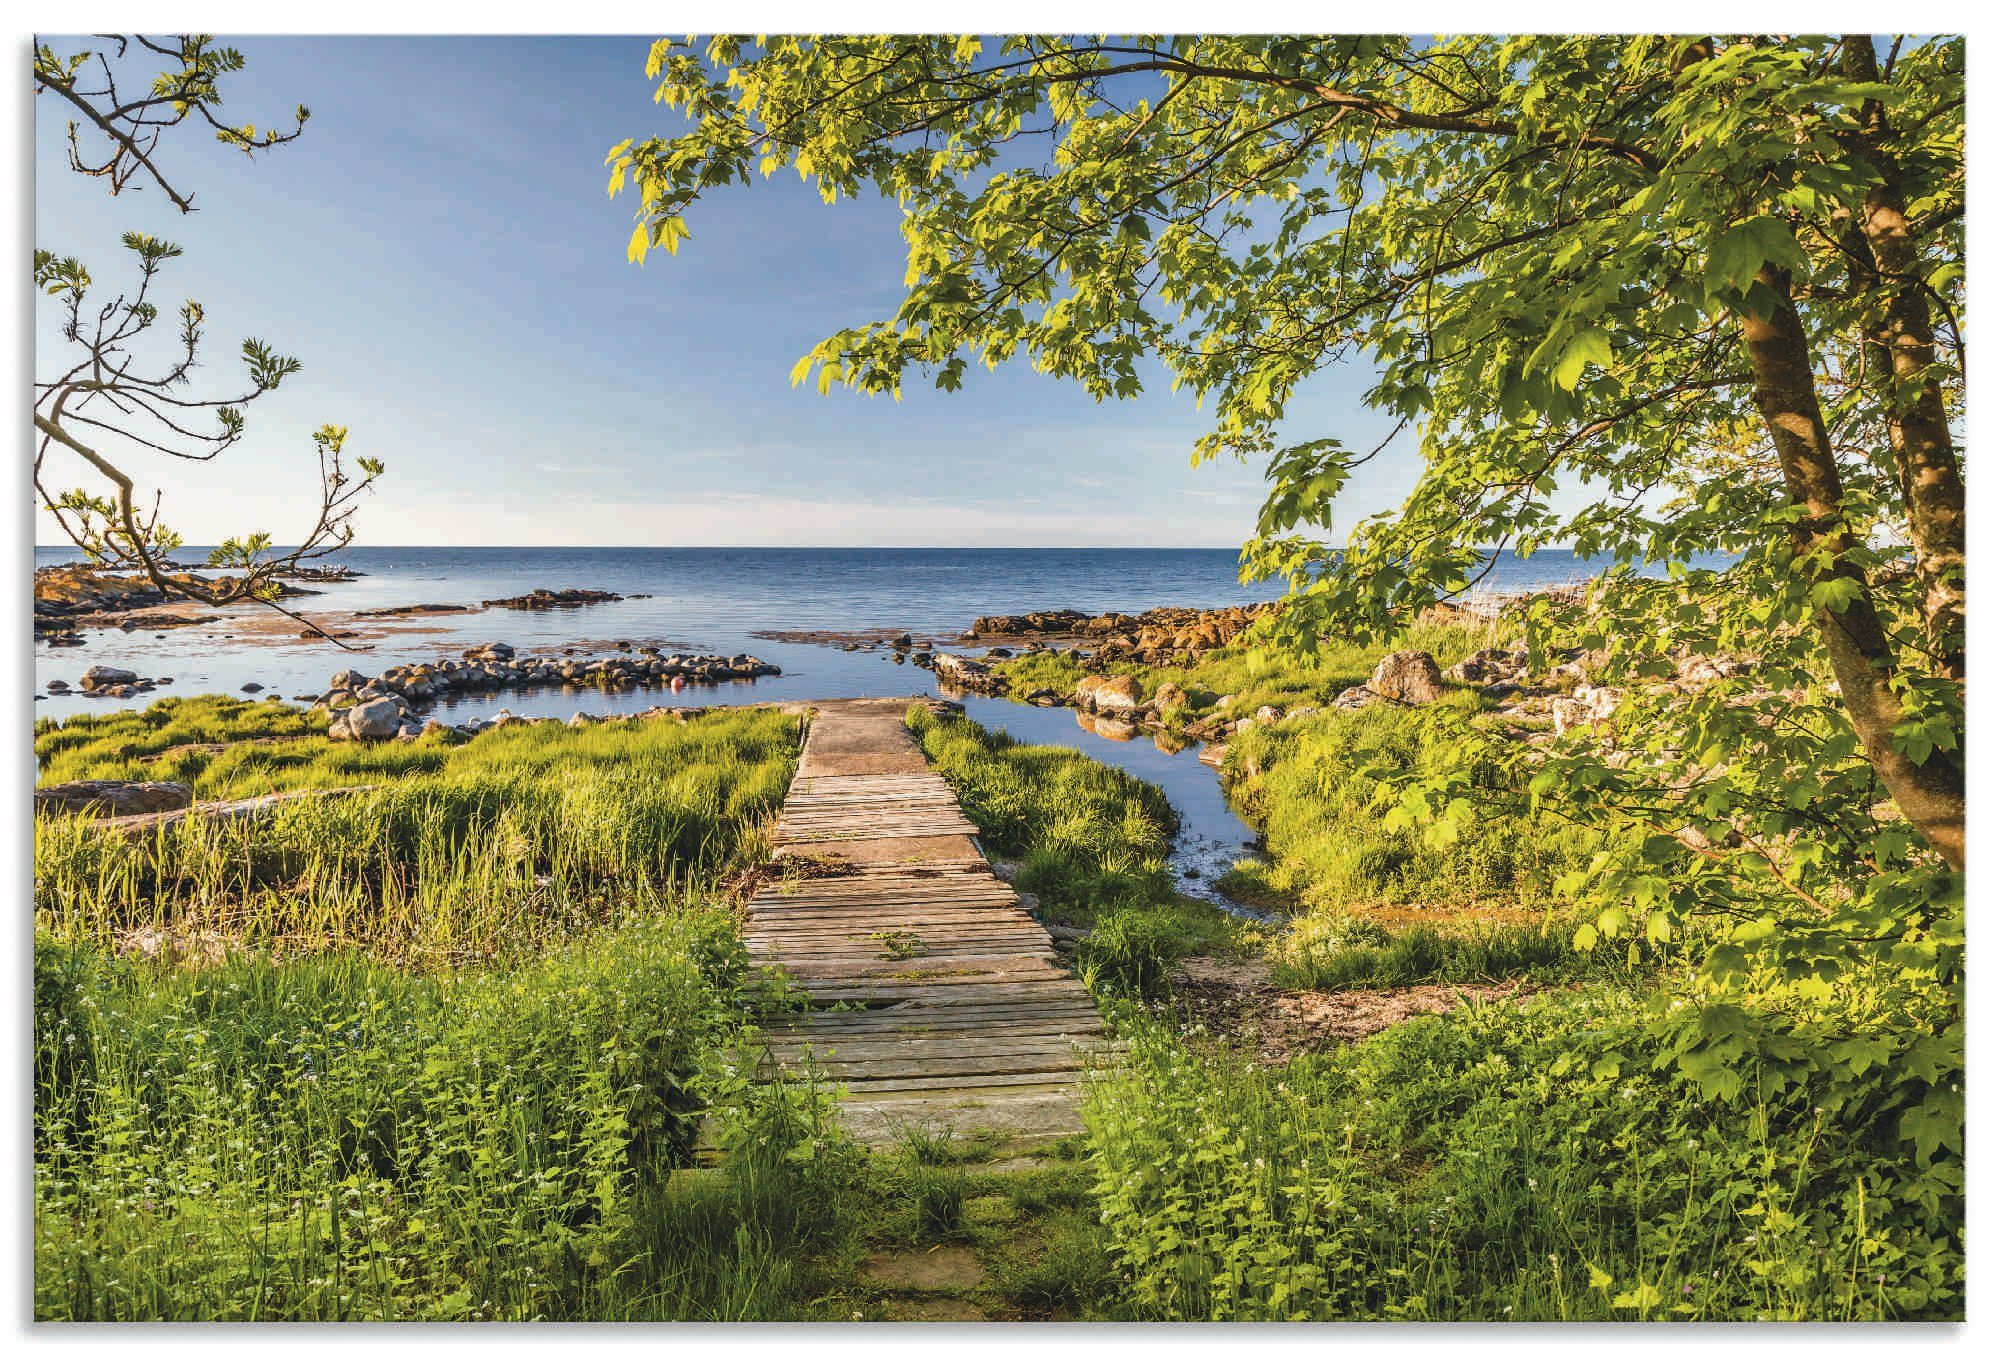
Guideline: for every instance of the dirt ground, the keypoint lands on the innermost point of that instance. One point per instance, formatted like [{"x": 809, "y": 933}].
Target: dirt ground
[{"x": 1235, "y": 996}]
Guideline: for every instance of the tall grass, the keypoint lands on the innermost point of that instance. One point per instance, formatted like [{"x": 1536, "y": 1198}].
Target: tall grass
[
  {"x": 333, "y": 1138},
  {"x": 457, "y": 853},
  {"x": 1092, "y": 845}
]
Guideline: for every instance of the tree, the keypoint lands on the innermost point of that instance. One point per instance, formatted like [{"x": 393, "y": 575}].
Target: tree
[
  {"x": 109, "y": 392},
  {"x": 1570, "y": 260}
]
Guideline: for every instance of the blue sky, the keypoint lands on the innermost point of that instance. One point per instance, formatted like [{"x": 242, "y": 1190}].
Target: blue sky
[{"x": 439, "y": 250}]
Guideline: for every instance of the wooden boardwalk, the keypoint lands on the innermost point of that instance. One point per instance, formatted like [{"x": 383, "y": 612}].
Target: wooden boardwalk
[{"x": 952, "y": 1012}]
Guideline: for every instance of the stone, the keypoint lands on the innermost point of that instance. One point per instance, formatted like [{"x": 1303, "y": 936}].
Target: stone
[
  {"x": 345, "y": 679},
  {"x": 1355, "y": 698},
  {"x": 57, "y": 685},
  {"x": 112, "y": 797},
  {"x": 103, "y": 675},
  {"x": 1119, "y": 693},
  {"x": 1268, "y": 715},
  {"x": 1169, "y": 695},
  {"x": 1585, "y": 707},
  {"x": 379, "y": 719},
  {"x": 253, "y": 687},
  {"x": 1408, "y": 676}
]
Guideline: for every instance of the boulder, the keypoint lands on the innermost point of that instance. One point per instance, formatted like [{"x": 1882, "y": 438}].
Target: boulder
[
  {"x": 112, "y": 797},
  {"x": 1408, "y": 676},
  {"x": 1121, "y": 693},
  {"x": 1169, "y": 695},
  {"x": 1587, "y": 706},
  {"x": 103, "y": 675},
  {"x": 345, "y": 679},
  {"x": 379, "y": 719}
]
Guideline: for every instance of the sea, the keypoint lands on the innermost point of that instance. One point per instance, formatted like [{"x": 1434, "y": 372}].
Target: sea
[{"x": 717, "y": 600}]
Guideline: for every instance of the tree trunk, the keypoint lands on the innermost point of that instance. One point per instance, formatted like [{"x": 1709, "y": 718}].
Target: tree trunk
[
  {"x": 1931, "y": 794},
  {"x": 1919, "y": 431}
]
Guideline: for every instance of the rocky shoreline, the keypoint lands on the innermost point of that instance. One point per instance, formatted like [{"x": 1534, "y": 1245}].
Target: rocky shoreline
[
  {"x": 69, "y": 598},
  {"x": 75, "y": 597}
]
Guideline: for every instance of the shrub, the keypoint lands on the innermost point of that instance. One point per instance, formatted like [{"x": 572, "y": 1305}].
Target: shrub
[{"x": 1550, "y": 1161}]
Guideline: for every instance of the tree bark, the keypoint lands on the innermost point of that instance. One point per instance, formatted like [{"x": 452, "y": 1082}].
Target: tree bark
[
  {"x": 1919, "y": 430},
  {"x": 1931, "y": 794}
]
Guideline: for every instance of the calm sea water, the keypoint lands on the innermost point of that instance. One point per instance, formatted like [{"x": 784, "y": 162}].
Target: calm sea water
[{"x": 716, "y": 600}]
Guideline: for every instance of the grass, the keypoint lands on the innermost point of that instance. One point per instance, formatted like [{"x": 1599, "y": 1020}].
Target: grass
[
  {"x": 334, "y": 1138},
  {"x": 432, "y": 1050},
  {"x": 1373, "y": 902},
  {"x": 458, "y": 853},
  {"x": 1091, "y": 842},
  {"x": 1252, "y": 677}
]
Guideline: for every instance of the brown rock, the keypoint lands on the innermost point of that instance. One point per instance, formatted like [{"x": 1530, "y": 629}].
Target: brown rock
[{"x": 1408, "y": 676}]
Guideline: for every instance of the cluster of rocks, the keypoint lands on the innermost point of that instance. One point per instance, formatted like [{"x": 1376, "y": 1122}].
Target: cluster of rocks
[
  {"x": 385, "y": 706},
  {"x": 956, "y": 673},
  {"x": 321, "y": 574},
  {"x": 391, "y": 719},
  {"x": 539, "y": 600},
  {"x": 101, "y": 680},
  {"x": 1160, "y": 636}
]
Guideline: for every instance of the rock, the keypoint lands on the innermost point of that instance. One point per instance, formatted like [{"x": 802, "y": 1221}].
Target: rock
[
  {"x": 1268, "y": 715},
  {"x": 539, "y": 599},
  {"x": 1120, "y": 693},
  {"x": 103, "y": 675},
  {"x": 379, "y": 719},
  {"x": 1355, "y": 698},
  {"x": 1587, "y": 706},
  {"x": 1007, "y": 871},
  {"x": 1043, "y": 696},
  {"x": 1486, "y": 666},
  {"x": 1169, "y": 695},
  {"x": 253, "y": 687},
  {"x": 1408, "y": 676},
  {"x": 57, "y": 685},
  {"x": 345, "y": 679},
  {"x": 112, "y": 797},
  {"x": 969, "y": 674}
]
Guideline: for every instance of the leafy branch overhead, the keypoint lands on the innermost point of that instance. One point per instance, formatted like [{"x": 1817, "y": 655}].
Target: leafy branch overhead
[
  {"x": 1650, "y": 297},
  {"x": 128, "y": 387}
]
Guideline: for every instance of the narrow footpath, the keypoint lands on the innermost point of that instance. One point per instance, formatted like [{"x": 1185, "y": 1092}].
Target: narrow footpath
[{"x": 935, "y": 998}]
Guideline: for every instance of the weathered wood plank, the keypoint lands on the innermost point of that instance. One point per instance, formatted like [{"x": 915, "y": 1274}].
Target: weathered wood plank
[{"x": 979, "y": 1028}]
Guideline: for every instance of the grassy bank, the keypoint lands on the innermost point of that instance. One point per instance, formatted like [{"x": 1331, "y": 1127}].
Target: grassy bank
[
  {"x": 436, "y": 1048},
  {"x": 455, "y": 853},
  {"x": 1090, "y": 842}
]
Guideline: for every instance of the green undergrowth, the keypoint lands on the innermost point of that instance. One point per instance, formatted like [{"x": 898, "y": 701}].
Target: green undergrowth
[
  {"x": 1535, "y": 1162},
  {"x": 1313, "y": 787},
  {"x": 1252, "y": 676},
  {"x": 1091, "y": 842},
  {"x": 335, "y": 1138},
  {"x": 454, "y": 853}
]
